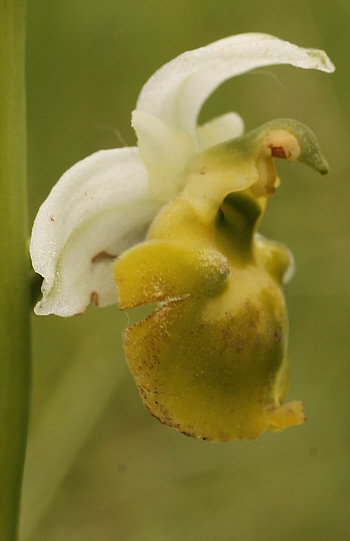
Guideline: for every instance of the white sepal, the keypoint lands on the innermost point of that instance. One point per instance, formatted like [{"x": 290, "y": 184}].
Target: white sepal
[
  {"x": 177, "y": 91},
  {"x": 99, "y": 208}
]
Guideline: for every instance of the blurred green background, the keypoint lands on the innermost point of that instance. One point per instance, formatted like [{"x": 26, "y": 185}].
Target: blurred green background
[{"x": 99, "y": 466}]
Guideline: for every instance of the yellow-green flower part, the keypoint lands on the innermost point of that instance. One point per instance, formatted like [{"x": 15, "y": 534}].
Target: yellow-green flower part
[{"x": 211, "y": 360}]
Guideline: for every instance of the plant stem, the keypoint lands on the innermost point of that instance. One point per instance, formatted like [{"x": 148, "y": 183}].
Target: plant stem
[{"x": 14, "y": 266}]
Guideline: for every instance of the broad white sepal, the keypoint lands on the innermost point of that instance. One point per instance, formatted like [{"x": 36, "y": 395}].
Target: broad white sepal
[{"x": 98, "y": 209}]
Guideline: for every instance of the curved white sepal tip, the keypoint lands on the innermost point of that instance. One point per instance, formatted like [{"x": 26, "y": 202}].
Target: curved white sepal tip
[{"x": 177, "y": 91}]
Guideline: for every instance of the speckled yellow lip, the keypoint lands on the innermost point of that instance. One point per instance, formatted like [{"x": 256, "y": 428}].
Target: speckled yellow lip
[{"x": 211, "y": 360}]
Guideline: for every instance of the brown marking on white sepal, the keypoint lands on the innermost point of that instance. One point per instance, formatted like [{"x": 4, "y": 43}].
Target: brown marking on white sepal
[
  {"x": 94, "y": 298},
  {"x": 103, "y": 256}
]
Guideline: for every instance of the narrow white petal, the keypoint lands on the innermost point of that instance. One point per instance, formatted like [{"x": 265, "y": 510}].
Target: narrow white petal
[
  {"x": 99, "y": 208},
  {"x": 220, "y": 129},
  {"x": 176, "y": 92},
  {"x": 165, "y": 153}
]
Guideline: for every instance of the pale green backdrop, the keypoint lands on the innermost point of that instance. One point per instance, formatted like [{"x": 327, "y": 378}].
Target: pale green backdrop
[{"x": 99, "y": 467}]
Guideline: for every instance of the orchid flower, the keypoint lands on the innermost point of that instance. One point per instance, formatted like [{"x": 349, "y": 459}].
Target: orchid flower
[
  {"x": 105, "y": 203},
  {"x": 174, "y": 223}
]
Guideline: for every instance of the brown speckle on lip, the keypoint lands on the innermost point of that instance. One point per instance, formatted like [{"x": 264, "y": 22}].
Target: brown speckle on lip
[{"x": 278, "y": 335}]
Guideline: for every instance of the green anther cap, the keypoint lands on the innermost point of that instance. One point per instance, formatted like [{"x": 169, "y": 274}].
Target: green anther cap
[{"x": 291, "y": 140}]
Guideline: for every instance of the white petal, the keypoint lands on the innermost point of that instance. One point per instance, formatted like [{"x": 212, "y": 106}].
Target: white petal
[
  {"x": 220, "y": 129},
  {"x": 176, "y": 92},
  {"x": 165, "y": 153},
  {"x": 99, "y": 208}
]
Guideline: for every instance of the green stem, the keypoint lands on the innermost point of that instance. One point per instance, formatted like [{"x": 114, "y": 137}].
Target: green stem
[{"x": 14, "y": 266}]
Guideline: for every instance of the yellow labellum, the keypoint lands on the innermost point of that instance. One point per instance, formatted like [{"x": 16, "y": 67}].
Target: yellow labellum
[{"x": 211, "y": 360}]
